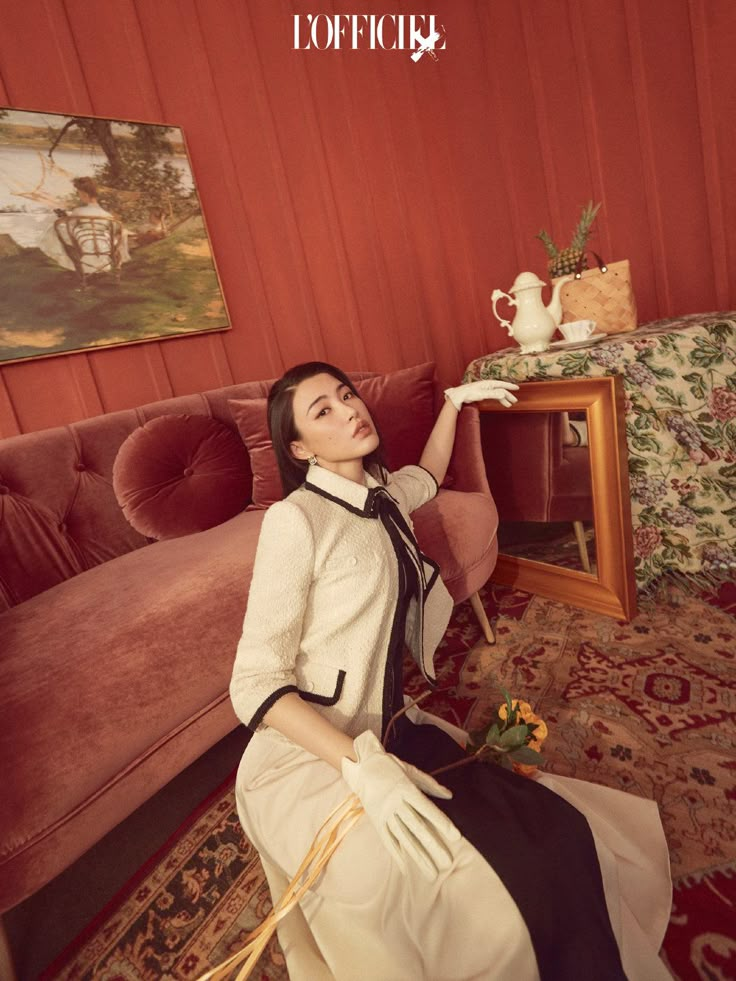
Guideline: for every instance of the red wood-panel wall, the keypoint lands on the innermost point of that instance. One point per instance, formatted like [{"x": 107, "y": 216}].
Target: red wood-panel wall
[{"x": 362, "y": 207}]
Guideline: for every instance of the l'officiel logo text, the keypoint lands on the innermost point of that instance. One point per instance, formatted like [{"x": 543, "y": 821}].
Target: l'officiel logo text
[{"x": 390, "y": 32}]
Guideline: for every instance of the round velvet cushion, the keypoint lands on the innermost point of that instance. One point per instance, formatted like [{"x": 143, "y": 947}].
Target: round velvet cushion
[{"x": 177, "y": 475}]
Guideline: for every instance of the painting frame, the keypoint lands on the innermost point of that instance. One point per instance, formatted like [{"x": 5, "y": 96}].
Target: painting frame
[{"x": 103, "y": 239}]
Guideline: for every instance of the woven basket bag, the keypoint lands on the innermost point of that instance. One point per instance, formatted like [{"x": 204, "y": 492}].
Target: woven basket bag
[{"x": 603, "y": 294}]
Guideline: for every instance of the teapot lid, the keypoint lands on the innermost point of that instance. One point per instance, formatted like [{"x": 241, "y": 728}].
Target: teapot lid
[{"x": 525, "y": 281}]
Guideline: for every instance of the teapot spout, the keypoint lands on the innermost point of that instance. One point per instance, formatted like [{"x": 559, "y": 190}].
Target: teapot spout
[{"x": 554, "y": 307}]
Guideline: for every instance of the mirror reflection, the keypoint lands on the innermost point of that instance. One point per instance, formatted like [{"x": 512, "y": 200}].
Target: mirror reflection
[{"x": 538, "y": 466}]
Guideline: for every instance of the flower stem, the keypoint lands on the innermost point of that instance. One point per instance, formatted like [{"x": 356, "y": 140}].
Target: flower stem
[{"x": 468, "y": 759}]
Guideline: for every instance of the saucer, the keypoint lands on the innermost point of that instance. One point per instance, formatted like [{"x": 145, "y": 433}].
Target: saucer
[{"x": 592, "y": 339}]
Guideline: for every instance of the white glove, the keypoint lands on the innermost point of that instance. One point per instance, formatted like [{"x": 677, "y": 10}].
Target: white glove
[
  {"x": 393, "y": 796},
  {"x": 489, "y": 388}
]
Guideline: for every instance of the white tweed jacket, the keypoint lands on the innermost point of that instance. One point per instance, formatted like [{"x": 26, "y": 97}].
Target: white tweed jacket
[{"x": 323, "y": 599}]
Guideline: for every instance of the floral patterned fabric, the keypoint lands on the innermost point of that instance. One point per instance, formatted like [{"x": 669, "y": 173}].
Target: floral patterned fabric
[{"x": 680, "y": 396}]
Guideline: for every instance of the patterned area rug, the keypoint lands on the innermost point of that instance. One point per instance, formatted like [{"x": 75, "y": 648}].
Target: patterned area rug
[{"x": 648, "y": 707}]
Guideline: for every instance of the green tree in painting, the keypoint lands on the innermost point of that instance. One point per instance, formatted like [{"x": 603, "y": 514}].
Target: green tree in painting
[{"x": 137, "y": 176}]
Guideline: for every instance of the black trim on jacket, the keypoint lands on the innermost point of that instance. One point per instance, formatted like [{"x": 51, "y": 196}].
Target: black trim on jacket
[
  {"x": 309, "y": 696},
  {"x": 336, "y": 500},
  {"x": 436, "y": 485},
  {"x": 266, "y": 705},
  {"x": 412, "y": 584}
]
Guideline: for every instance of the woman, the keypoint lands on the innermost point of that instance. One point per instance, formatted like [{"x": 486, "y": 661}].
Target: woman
[
  {"x": 490, "y": 876},
  {"x": 53, "y": 245}
]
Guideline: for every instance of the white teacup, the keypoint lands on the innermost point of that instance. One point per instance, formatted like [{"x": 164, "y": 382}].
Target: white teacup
[{"x": 578, "y": 330}]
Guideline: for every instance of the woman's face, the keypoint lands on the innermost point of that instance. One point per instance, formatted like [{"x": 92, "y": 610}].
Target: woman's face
[{"x": 333, "y": 423}]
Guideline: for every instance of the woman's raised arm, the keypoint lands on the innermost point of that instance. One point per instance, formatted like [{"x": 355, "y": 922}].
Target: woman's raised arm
[{"x": 438, "y": 450}]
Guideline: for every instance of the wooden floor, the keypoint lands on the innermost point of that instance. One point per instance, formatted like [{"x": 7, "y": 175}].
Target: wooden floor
[{"x": 45, "y": 923}]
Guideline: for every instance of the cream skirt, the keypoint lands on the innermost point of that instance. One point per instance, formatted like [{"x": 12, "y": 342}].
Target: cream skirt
[{"x": 365, "y": 921}]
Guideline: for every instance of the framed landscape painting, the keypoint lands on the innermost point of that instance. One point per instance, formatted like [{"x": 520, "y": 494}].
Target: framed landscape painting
[{"x": 102, "y": 237}]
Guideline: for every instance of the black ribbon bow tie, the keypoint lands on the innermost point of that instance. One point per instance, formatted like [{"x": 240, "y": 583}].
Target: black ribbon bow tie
[
  {"x": 379, "y": 504},
  {"x": 379, "y": 501},
  {"x": 413, "y": 565}
]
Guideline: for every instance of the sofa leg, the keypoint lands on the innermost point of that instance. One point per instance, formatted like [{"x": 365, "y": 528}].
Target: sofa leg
[
  {"x": 6, "y": 955},
  {"x": 480, "y": 613},
  {"x": 582, "y": 547}
]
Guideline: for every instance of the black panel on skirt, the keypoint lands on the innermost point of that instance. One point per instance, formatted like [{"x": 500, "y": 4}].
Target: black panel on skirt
[{"x": 541, "y": 848}]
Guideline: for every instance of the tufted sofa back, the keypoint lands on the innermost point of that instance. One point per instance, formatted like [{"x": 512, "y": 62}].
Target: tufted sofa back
[{"x": 58, "y": 512}]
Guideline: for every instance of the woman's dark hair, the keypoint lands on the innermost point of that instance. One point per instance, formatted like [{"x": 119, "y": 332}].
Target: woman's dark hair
[
  {"x": 86, "y": 185},
  {"x": 283, "y": 430}
]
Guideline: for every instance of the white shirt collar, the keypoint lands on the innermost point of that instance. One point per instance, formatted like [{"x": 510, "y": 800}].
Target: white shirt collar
[{"x": 341, "y": 489}]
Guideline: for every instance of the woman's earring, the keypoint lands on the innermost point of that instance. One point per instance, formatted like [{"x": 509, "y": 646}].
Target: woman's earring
[{"x": 312, "y": 460}]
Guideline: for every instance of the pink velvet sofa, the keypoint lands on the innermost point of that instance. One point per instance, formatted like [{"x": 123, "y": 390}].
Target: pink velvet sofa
[{"x": 116, "y": 649}]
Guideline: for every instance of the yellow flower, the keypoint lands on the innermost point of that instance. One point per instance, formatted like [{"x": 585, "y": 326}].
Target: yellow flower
[
  {"x": 526, "y": 714},
  {"x": 540, "y": 733},
  {"x": 522, "y": 707}
]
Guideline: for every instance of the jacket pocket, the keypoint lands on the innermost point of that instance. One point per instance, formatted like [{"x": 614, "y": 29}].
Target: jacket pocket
[{"x": 320, "y": 683}]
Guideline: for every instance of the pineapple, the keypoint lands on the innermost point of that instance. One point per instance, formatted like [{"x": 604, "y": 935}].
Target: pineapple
[{"x": 562, "y": 262}]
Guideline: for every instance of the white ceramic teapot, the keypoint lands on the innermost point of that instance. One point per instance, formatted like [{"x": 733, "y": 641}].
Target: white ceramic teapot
[{"x": 534, "y": 323}]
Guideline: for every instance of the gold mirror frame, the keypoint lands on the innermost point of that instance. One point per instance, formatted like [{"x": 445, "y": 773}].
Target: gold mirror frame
[{"x": 613, "y": 591}]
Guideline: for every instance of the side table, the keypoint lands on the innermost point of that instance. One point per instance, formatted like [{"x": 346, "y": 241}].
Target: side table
[{"x": 680, "y": 399}]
